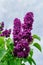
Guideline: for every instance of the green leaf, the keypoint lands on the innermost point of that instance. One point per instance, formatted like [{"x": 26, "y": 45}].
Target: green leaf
[
  {"x": 9, "y": 40},
  {"x": 2, "y": 53},
  {"x": 9, "y": 44},
  {"x": 1, "y": 39},
  {"x": 31, "y": 52},
  {"x": 22, "y": 64},
  {"x": 31, "y": 60},
  {"x": 3, "y": 63},
  {"x": 37, "y": 46},
  {"x": 15, "y": 61},
  {"x": 9, "y": 58},
  {"x": 18, "y": 61},
  {"x": 2, "y": 42},
  {"x": 24, "y": 59},
  {"x": 36, "y": 37},
  {"x": 11, "y": 62}
]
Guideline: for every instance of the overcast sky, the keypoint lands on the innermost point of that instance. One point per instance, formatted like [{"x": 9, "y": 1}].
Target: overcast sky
[{"x": 10, "y": 9}]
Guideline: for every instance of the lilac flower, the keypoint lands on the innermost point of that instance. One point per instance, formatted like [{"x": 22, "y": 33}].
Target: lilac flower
[
  {"x": 1, "y": 26},
  {"x": 21, "y": 49},
  {"x": 20, "y": 54},
  {"x": 16, "y": 29},
  {"x": 17, "y": 26},
  {"x": 27, "y": 27},
  {"x": 17, "y": 37},
  {"x": 30, "y": 39},
  {"x": 6, "y": 33},
  {"x": 26, "y": 34},
  {"x": 22, "y": 35},
  {"x": 28, "y": 21},
  {"x": 28, "y": 18}
]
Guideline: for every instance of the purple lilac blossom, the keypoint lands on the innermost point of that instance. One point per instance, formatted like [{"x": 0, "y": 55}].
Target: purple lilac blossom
[
  {"x": 22, "y": 39},
  {"x": 6, "y": 33},
  {"x": 1, "y": 26},
  {"x": 16, "y": 29},
  {"x": 17, "y": 26},
  {"x": 28, "y": 21},
  {"x": 28, "y": 18},
  {"x": 21, "y": 49}
]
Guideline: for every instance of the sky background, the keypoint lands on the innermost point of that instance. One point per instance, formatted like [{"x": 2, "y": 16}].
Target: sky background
[{"x": 10, "y": 9}]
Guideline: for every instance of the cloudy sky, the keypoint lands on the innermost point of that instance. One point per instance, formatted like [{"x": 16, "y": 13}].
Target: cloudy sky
[{"x": 10, "y": 9}]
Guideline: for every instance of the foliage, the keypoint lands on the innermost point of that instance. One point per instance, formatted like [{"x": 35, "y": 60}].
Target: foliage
[{"x": 6, "y": 55}]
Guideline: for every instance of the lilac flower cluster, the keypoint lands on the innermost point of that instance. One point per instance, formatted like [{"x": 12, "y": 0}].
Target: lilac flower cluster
[
  {"x": 22, "y": 35},
  {"x": 1, "y": 26},
  {"x": 5, "y": 32}
]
